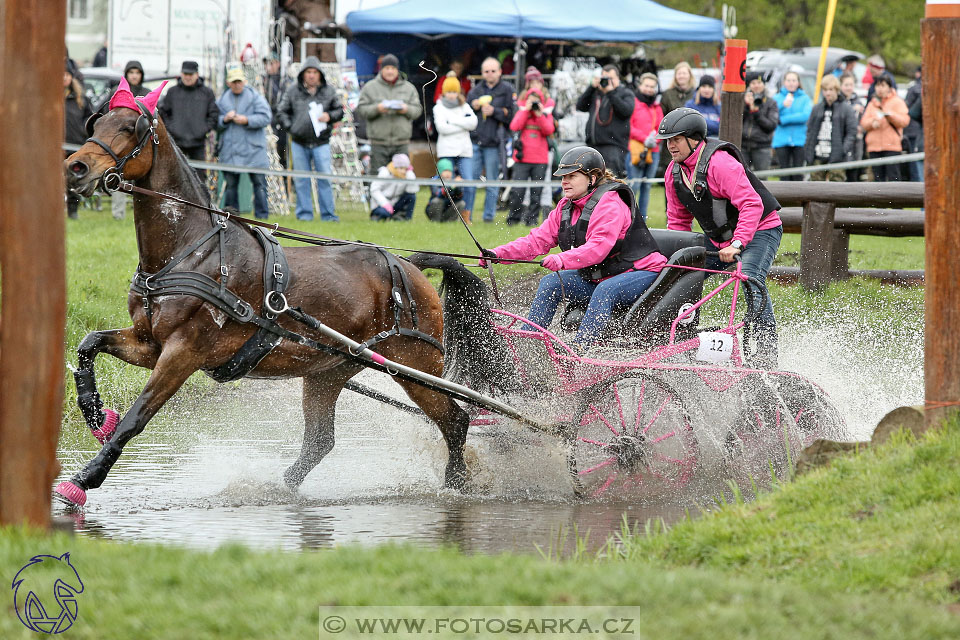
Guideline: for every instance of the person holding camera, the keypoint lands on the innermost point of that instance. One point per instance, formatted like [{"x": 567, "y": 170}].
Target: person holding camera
[
  {"x": 531, "y": 125},
  {"x": 644, "y": 146},
  {"x": 760, "y": 119},
  {"x": 610, "y": 105},
  {"x": 791, "y": 134}
]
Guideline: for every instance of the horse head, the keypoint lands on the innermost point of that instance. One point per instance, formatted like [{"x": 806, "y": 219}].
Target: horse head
[{"x": 122, "y": 142}]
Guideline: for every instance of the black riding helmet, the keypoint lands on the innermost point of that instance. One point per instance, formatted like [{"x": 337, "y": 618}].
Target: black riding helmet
[
  {"x": 582, "y": 158},
  {"x": 683, "y": 122}
]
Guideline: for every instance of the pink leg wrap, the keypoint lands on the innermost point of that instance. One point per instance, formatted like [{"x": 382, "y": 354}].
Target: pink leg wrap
[
  {"x": 72, "y": 493},
  {"x": 110, "y": 420}
]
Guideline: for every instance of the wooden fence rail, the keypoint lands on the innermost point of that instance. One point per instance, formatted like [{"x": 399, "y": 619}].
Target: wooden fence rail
[{"x": 811, "y": 209}]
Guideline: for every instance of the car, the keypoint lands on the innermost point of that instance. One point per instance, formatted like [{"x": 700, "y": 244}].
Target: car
[
  {"x": 804, "y": 61},
  {"x": 100, "y": 82}
]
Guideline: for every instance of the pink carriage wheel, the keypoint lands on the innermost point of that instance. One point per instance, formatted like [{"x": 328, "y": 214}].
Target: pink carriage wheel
[
  {"x": 633, "y": 432},
  {"x": 763, "y": 437},
  {"x": 811, "y": 408}
]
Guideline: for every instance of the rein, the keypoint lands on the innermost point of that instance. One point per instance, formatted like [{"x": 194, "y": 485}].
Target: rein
[{"x": 287, "y": 232}]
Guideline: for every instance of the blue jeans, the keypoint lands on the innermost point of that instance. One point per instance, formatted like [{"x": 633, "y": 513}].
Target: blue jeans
[
  {"x": 605, "y": 296},
  {"x": 259, "y": 181},
  {"x": 313, "y": 159},
  {"x": 642, "y": 170},
  {"x": 756, "y": 259},
  {"x": 486, "y": 159},
  {"x": 402, "y": 209}
]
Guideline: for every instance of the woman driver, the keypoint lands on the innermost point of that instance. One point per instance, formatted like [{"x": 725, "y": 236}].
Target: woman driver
[{"x": 607, "y": 253}]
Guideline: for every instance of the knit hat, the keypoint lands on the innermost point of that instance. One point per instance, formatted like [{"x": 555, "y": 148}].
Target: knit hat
[
  {"x": 450, "y": 84},
  {"x": 444, "y": 164},
  {"x": 533, "y": 74},
  {"x": 707, "y": 80},
  {"x": 389, "y": 60},
  {"x": 400, "y": 160}
]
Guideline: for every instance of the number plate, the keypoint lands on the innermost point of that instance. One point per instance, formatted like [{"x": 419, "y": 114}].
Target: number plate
[{"x": 715, "y": 347}]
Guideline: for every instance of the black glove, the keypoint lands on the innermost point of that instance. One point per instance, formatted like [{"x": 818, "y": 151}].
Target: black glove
[{"x": 487, "y": 254}]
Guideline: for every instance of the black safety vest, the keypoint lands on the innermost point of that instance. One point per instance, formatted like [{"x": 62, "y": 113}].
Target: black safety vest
[
  {"x": 637, "y": 244},
  {"x": 717, "y": 217}
]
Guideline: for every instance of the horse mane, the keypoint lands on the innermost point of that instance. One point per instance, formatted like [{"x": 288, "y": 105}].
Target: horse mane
[{"x": 476, "y": 355}]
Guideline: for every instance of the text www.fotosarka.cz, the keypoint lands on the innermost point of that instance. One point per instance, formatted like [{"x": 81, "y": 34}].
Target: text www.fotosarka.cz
[{"x": 479, "y": 621}]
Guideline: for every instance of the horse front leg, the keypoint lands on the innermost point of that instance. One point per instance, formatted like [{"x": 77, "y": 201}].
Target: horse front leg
[
  {"x": 172, "y": 369},
  {"x": 124, "y": 344}
]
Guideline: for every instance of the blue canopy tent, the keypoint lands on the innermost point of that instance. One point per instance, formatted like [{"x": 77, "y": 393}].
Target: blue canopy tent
[{"x": 626, "y": 20}]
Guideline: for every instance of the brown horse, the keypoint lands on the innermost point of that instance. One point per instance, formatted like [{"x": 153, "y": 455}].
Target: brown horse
[{"x": 347, "y": 288}]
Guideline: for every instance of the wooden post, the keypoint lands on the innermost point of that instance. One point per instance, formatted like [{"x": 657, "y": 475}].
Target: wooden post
[
  {"x": 31, "y": 257},
  {"x": 840, "y": 254},
  {"x": 816, "y": 242},
  {"x": 941, "y": 123},
  {"x": 731, "y": 99}
]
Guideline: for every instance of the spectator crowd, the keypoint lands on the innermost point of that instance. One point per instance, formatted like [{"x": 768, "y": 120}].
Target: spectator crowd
[{"x": 490, "y": 129}]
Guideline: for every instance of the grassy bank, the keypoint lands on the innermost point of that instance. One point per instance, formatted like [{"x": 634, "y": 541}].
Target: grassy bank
[{"x": 864, "y": 549}]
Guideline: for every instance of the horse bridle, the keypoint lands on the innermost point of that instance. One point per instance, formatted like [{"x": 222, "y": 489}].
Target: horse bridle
[{"x": 145, "y": 129}]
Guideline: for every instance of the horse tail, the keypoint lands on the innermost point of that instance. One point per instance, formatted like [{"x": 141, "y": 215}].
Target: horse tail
[{"x": 476, "y": 354}]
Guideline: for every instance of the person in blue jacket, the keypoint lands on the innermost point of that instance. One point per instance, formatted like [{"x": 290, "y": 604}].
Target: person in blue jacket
[
  {"x": 707, "y": 102},
  {"x": 791, "y": 134},
  {"x": 244, "y": 114}
]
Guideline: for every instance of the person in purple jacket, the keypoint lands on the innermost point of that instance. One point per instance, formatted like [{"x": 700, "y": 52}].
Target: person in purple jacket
[
  {"x": 608, "y": 256},
  {"x": 707, "y": 181}
]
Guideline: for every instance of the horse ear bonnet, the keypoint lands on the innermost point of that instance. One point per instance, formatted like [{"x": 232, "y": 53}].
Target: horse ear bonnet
[{"x": 91, "y": 121}]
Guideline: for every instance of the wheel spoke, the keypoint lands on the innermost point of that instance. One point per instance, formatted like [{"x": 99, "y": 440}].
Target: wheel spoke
[
  {"x": 596, "y": 442},
  {"x": 616, "y": 398},
  {"x": 636, "y": 421},
  {"x": 657, "y": 414},
  {"x": 606, "y": 485},
  {"x": 606, "y": 462},
  {"x": 664, "y": 437}
]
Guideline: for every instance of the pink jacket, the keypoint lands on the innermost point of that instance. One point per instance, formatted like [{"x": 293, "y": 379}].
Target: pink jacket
[
  {"x": 726, "y": 179},
  {"x": 645, "y": 119},
  {"x": 535, "y": 131},
  {"x": 609, "y": 223}
]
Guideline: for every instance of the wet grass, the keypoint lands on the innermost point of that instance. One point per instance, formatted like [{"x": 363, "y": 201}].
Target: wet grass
[{"x": 863, "y": 549}]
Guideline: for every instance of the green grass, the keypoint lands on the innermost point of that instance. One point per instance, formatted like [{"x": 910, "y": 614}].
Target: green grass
[{"x": 863, "y": 549}]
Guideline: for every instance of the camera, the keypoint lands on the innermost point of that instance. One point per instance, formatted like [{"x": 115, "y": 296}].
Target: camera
[
  {"x": 604, "y": 82},
  {"x": 757, "y": 101}
]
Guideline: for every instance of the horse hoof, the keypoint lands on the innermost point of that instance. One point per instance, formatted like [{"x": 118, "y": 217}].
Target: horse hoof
[
  {"x": 71, "y": 494},
  {"x": 110, "y": 420}
]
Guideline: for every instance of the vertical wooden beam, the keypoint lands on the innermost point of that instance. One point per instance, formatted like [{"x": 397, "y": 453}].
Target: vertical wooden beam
[
  {"x": 941, "y": 130},
  {"x": 31, "y": 256},
  {"x": 840, "y": 255},
  {"x": 816, "y": 242},
  {"x": 731, "y": 98}
]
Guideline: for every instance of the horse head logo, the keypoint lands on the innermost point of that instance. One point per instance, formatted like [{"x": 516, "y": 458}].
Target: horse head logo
[{"x": 54, "y": 580}]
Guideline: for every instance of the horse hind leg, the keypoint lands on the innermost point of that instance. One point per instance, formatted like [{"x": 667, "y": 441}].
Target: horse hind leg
[
  {"x": 453, "y": 423},
  {"x": 320, "y": 394},
  {"x": 120, "y": 343}
]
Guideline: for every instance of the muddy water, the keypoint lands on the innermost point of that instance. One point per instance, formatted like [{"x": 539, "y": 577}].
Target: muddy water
[{"x": 209, "y": 471}]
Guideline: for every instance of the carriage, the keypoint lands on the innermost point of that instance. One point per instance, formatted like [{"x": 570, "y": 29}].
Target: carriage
[
  {"x": 664, "y": 398},
  {"x": 216, "y": 293}
]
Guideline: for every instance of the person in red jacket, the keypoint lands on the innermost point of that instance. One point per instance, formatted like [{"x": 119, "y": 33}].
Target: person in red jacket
[
  {"x": 533, "y": 122},
  {"x": 644, "y": 146}
]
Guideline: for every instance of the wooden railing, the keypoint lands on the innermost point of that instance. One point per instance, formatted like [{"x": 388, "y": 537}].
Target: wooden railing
[{"x": 811, "y": 208}]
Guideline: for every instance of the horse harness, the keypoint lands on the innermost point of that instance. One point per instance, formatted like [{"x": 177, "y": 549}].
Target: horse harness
[{"x": 276, "y": 277}]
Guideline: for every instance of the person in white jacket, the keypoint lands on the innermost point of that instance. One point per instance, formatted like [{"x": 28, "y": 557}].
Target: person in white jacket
[
  {"x": 454, "y": 120},
  {"x": 393, "y": 199}
]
